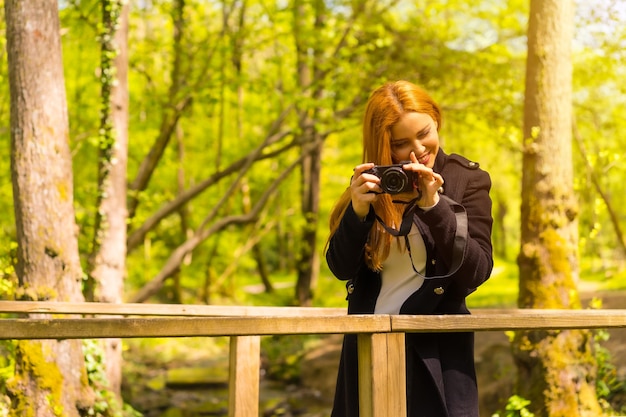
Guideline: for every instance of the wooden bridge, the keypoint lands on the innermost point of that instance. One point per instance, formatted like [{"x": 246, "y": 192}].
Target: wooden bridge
[{"x": 380, "y": 337}]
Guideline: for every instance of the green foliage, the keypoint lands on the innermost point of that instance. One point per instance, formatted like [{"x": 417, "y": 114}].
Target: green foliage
[
  {"x": 479, "y": 50},
  {"x": 471, "y": 56},
  {"x": 284, "y": 355},
  {"x": 106, "y": 403},
  {"x": 7, "y": 224},
  {"x": 7, "y": 371},
  {"x": 610, "y": 388},
  {"x": 598, "y": 101},
  {"x": 240, "y": 74},
  {"x": 515, "y": 407},
  {"x": 8, "y": 279},
  {"x": 500, "y": 290}
]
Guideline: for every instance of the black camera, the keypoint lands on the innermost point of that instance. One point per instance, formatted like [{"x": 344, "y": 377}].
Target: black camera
[{"x": 394, "y": 179}]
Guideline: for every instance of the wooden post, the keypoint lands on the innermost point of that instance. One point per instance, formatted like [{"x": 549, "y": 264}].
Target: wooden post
[
  {"x": 382, "y": 379},
  {"x": 243, "y": 385}
]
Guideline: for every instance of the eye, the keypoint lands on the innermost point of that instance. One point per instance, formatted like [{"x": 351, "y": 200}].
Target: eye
[
  {"x": 423, "y": 133},
  {"x": 396, "y": 144}
]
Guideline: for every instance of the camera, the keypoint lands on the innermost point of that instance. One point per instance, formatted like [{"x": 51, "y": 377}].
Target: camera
[{"x": 394, "y": 179}]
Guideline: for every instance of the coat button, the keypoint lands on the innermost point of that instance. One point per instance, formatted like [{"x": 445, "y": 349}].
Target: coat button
[
  {"x": 433, "y": 261},
  {"x": 439, "y": 290}
]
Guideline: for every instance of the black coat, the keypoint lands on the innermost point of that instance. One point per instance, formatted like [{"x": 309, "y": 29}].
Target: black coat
[{"x": 441, "y": 379}]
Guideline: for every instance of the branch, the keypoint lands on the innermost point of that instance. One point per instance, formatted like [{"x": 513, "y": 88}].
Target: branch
[
  {"x": 596, "y": 183},
  {"x": 245, "y": 248},
  {"x": 174, "y": 108},
  {"x": 137, "y": 236},
  {"x": 173, "y": 262}
]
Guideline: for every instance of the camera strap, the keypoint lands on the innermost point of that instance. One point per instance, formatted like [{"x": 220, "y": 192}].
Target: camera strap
[
  {"x": 407, "y": 218},
  {"x": 460, "y": 238}
]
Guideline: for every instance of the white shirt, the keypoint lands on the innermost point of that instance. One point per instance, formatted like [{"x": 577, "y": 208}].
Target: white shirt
[{"x": 399, "y": 280}]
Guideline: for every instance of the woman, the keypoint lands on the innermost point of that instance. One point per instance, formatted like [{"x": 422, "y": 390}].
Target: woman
[{"x": 421, "y": 251}]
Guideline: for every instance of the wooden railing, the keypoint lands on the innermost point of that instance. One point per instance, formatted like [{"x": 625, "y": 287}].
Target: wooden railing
[{"x": 380, "y": 337}]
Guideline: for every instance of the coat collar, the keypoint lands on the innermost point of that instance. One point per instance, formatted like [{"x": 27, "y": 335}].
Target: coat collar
[{"x": 440, "y": 160}]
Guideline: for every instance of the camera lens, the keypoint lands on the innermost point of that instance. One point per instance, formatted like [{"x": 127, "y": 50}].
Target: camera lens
[{"x": 394, "y": 181}]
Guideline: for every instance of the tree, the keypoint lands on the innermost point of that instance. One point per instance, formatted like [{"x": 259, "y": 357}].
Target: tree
[
  {"x": 599, "y": 104},
  {"x": 307, "y": 72},
  {"x": 272, "y": 130},
  {"x": 50, "y": 375},
  {"x": 107, "y": 261},
  {"x": 556, "y": 369},
  {"x": 180, "y": 97}
]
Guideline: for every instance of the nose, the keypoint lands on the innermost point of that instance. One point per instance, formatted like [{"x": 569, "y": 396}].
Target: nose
[{"x": 418, "y": 147}]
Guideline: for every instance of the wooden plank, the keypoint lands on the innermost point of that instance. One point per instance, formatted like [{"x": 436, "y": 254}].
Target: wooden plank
[
  {"x": 512, "y": 320},
  {"x": 140, "y": 309},
  {"x": 396, "y": 375},
  {"x": 245, "y": 364},
  {"x": 369, "y": 397},
  {"x": 40, "y": 328},
  {"x": 89, "y": 328},
  {"x": 382, "y": 379}
]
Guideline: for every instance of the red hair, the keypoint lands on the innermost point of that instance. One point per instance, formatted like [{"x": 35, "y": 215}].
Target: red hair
[{"x": 385, "y": 107}]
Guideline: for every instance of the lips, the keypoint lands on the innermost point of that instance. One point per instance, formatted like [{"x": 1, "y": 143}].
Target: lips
[{"x": 424, "y": 159}]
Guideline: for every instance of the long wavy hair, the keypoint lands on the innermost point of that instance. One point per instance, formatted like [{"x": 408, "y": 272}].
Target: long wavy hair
[{"x": 385, "y": 107}]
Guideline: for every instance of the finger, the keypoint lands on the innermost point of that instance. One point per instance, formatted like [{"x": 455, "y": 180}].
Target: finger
[
  {"x": 359, "y": 169},
  {"x": 365, "y": 183},
  {"x": 369, "y": 188},
  {"x": 359, "y": 180},
  {"x": 414, "y": 165}
]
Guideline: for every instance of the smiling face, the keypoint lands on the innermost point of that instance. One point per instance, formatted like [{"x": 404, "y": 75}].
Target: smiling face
[{"x": 415, "y": 132}]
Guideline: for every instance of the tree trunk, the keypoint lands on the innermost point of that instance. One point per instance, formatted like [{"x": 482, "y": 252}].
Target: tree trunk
[
  {"x": 108, "y": 258},
  {"x": 237, "y": 41},
  {"x": 257, "y": 253},
  {"x": 178, "y": 101},
  {"x": 556, "y": 369},
  {"x": 50, "y": 375},
  {"x": 501, "y": 235},
  {"x": 308, "y": 259}
]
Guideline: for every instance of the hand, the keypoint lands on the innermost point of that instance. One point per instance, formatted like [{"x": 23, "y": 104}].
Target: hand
[
  {"x": 363, "y": 189},
  {"x": 429, "y": 182}
]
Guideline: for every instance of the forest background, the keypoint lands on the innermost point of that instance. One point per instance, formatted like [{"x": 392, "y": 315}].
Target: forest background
[
  {"x": 238, "y": 72},
  {"x": 250, "y": 113}
]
